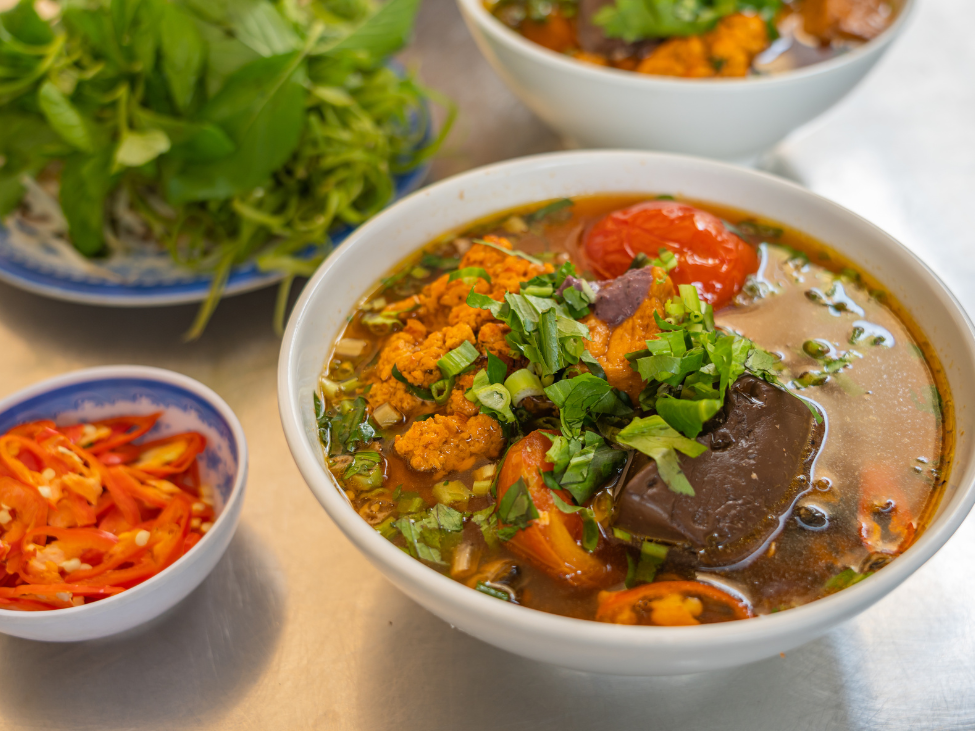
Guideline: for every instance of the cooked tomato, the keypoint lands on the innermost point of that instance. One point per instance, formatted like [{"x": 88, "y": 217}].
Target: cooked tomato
[
  {"x": 552, "y": 542},
  {"x": 670, "y": 604},
  {"x": 887, "y": 524},
  {"x": 709, "y": 256}
]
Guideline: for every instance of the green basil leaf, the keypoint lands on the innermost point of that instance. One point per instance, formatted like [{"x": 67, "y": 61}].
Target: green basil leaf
[
  {"x": 64, "y": 118},
  {"x": 138, "y": 148},
  {"x": 183, "y": 54},
  {"x": 384, "y": 32},
  {"x": 259, "y": 25},
  {"x": 262, "y": 108},
  {"x": 85, "y": 182}
]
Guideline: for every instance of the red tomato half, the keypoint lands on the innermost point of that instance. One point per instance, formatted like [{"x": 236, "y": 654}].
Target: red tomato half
[{"x": 708, "y": 255}]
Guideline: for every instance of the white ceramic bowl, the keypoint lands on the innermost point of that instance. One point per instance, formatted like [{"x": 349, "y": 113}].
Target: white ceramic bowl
[
  {"x": 728, "y": 119},
  {"x": 353, "y": 270},
  {"x": 99, "y": 393}
]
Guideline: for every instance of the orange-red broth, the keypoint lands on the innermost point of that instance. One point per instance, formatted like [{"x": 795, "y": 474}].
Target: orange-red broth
[{"x": 890, "y": 408}]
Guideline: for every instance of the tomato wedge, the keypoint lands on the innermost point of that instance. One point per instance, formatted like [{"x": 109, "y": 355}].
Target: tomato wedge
[
  {"x": 709, "y": 256},
  {"x": 552, "y": 542},
  {"x": 670, "y": 604}
]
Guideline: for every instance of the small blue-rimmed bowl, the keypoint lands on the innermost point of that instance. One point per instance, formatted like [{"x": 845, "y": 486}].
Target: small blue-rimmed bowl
[{"x": 100, "y": 393}]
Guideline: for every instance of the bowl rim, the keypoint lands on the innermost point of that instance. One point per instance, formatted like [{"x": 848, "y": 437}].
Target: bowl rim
[
  {"x": 559, "y": 62},
  {"x": 159, "y": 375},
  {"x": 813, "y": 616}
]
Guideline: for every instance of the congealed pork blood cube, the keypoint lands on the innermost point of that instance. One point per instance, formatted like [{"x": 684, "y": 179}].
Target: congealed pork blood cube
[{"x": 761, "y": 450}]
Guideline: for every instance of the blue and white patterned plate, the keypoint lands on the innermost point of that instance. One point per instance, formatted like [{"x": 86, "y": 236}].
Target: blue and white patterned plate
[{"x": 139, "y": 279}]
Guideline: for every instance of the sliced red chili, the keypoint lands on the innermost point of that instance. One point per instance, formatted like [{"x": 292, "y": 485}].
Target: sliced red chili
[{"x": 124, "y": 430}]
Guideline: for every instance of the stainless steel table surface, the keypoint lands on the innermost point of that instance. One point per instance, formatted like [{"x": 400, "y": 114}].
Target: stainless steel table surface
[{"x": 295, "y": 630}]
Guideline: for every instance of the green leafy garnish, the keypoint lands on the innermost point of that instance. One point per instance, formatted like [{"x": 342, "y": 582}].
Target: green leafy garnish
[
  {"x": 590, "y": 528},
  {"x": 582, "y": 397},
  {"x": 644, "y": 570},
  {"x": 349, "y": 427},
  {"x": 656, "y": 439},
  {"x": 516, "y": 510},
  {"x": 844, "y": 580},
  {"x": 364, "y": 461},
  {"x": 582, "y": 465},
  {"x": 491, "y": 591},
  {"x": 635, "y": 20},
  {"x": 418, "y": 391},
  {"x": 548, "y": 209},
  {"x": 238, "y": 131}
]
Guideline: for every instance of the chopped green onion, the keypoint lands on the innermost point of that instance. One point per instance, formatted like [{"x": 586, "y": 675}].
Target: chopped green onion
[
  {"x": 470, "y": 273},
  {"x": 458, "y": 360},
  {"x": 521, "y": 384},
  {"x": 440, "y": 391},
  {"x": 491, "y": 591},
  {"x": 451, "y": 492}
]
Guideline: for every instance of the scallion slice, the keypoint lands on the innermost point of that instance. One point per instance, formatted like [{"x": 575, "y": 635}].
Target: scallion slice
[
  {"x": 521, "y": 384},
  {"x": 470, "y": 273},
  {"x": 458, "y": 360}
]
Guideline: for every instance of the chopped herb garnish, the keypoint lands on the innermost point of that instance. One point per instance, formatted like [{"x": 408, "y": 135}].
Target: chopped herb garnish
[
  {"x": 844, "y": 580},
  {"x": 458, "y": 360},
  {"x": 582, "y": 465},
  {"x": 493, "y": 398},
  {"x": 420, "y": 393},
  {"x": 549, "y": 209},
  {"x": 509, "y": 252},
  {"x": 516, "y": 510},
  {"x": 656, "y": 439},
  {"x": 470, "y": 274},
  {"x": 492, "y": 591},
  {"x": 350, "y": 426}
]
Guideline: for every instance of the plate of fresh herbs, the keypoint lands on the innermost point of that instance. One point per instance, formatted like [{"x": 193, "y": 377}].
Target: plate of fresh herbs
[{"x": 156, "y": 152}]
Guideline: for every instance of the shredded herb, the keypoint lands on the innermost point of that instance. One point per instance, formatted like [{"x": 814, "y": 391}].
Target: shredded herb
[{"x": 516, "y": 510}]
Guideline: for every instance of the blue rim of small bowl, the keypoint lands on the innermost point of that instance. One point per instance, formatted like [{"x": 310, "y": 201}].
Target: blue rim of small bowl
[{"x": 151, "y": 376}]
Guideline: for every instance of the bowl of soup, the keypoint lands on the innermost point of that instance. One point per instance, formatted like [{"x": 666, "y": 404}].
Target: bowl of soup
[
  {"x": 630, "y": 412},
  {"x": 727, "y": 87}
]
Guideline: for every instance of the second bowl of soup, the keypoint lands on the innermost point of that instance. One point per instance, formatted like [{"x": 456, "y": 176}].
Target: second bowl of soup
[
  {"x": 728, "y": 90},
  {"x": 635, "y": 413}
]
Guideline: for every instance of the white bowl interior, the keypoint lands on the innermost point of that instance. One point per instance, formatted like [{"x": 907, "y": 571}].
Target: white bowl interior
[
  {"x": 449, "y": 206},
  {"x": 186, "y": 405}
]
